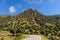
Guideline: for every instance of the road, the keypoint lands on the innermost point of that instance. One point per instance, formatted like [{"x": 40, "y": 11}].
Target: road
[{"x": 33, "y": 37}]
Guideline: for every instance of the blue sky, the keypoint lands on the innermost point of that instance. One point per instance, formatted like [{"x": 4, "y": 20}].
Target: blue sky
[{"x": 46, "y": 7}]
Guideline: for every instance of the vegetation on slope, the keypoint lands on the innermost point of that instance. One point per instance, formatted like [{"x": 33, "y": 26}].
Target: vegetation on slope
[{"x": 30, "y": 22}]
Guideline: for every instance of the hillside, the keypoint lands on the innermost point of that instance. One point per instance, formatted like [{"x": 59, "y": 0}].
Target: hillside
[
  {"x": 56, "y": 18},
  {"x": 30, "y": 22}
]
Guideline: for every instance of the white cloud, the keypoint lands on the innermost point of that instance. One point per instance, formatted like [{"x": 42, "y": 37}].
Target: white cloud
[
  {"x": 18, "y": 5},
  {"x": 12, "y": 9},
  {"x": 34, "y": 1}
]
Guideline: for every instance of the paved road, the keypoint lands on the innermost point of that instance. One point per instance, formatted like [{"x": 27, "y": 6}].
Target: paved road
[{"x": 33, "y": 37}]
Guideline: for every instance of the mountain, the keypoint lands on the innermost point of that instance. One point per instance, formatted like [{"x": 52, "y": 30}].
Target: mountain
[
  {"x": 56, "y": 18},
  {"x": 30, "y": 22}
]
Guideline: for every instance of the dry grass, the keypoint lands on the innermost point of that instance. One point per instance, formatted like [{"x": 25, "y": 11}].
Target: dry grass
[
  {"x": 4, "y": 36},
  {"x": 44, "y": 37}
]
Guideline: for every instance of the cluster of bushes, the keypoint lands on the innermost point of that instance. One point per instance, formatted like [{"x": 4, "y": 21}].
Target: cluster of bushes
[{"x": 48, "y": 31}]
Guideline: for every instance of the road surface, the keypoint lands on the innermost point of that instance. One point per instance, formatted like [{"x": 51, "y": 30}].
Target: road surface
[{"x": 33, "y": 37}]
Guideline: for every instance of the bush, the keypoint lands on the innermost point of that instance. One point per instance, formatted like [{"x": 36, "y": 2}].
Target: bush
[{"x": 18, "y": 34}]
